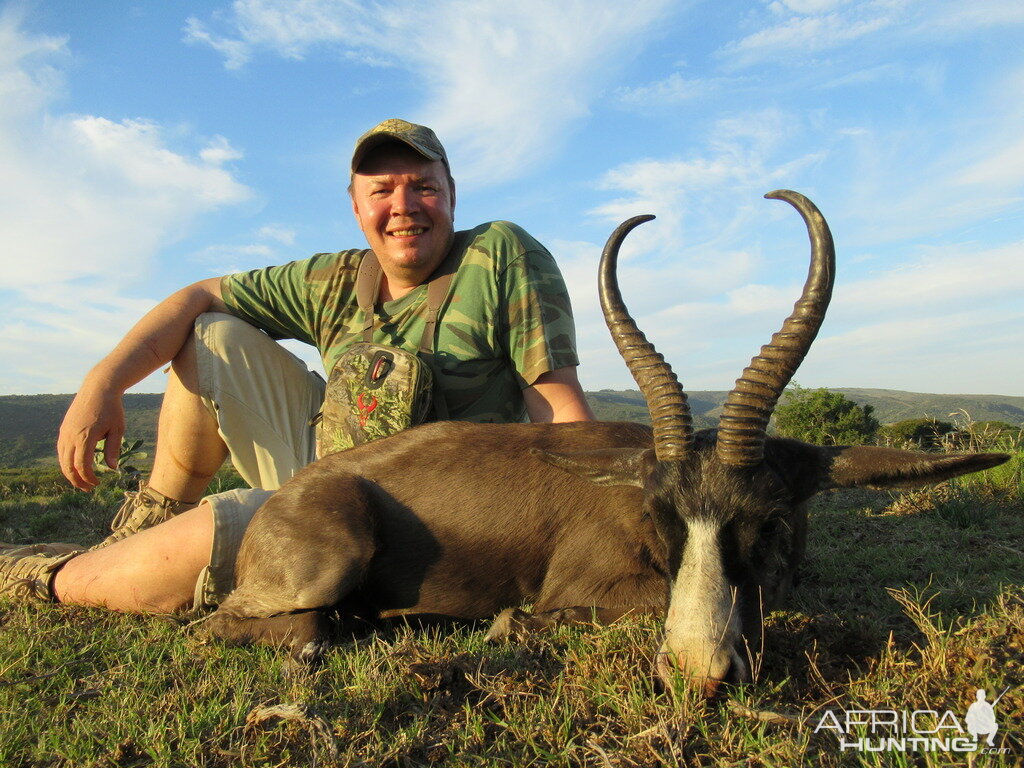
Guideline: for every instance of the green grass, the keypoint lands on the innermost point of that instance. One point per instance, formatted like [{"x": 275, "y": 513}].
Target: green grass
[{"x": 900, "y": 606}]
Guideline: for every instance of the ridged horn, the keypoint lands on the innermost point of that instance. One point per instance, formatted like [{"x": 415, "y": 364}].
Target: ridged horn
[
  {"x": 744, "y": 421},
  {"x": 666, "y": 401}
]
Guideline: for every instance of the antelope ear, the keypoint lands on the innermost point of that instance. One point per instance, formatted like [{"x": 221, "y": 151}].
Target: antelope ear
[
  {"x": 608, "y": 466},
  {"x": 875, "y": 467}
]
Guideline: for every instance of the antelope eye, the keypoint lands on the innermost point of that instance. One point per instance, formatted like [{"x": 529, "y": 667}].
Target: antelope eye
[{"x": 770, "y": 526}]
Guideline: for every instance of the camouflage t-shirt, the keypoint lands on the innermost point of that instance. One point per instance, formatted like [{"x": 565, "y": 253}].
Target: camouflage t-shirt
[{"x": 506, "y": 319}]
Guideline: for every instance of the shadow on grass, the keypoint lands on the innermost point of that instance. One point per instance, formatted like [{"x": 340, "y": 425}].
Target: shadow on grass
[
  {"x": 875, "y": 566},
  {"x": 407, "y": 696}
]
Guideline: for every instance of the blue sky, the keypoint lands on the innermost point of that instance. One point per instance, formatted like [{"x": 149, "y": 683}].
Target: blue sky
[{"x": 146, "y": 145}]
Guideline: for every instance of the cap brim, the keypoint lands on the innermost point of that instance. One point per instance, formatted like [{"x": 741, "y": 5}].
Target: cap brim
[{"x": 383, "y": 137}]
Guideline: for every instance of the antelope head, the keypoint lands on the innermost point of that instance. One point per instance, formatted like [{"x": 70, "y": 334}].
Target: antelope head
[{"x": 728, "y": 503}]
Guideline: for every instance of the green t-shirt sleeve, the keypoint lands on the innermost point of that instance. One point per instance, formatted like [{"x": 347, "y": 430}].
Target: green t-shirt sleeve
[
  {"x": 541, "y": 335},
  {"x": 283, "y": 301}
]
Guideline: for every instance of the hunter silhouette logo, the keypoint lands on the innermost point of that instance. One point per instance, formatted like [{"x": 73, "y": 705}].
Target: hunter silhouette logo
[{"x": 981, "y": 717}]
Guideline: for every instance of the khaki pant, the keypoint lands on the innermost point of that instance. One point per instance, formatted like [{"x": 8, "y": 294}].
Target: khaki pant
[{"x": 263, "y": 398}]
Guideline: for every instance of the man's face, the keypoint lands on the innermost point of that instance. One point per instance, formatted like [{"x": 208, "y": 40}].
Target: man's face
[{"x": 405, "y": 206}]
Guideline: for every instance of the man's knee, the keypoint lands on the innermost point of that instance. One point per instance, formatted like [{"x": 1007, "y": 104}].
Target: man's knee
[
  {"x": 261, "y": 395},
  {"x": 217, "y": 334},
  {"x": 221, "y": 331},
  {"x": 224, "y": 353},
  {"x": 227, "y": 347}
]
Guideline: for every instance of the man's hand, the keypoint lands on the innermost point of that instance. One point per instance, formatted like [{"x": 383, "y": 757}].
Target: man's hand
[
  {"x": 97, "y": 412},
  {"x": 93, "y": 416}
]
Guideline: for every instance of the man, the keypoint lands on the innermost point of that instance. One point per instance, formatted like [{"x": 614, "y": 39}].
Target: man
[{"x": 504, "y": 350}]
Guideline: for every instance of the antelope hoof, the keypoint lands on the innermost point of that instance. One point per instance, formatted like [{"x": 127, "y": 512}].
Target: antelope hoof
[
  {"x": 508, "y": 625},
  {"x": 312, "y": 653}
]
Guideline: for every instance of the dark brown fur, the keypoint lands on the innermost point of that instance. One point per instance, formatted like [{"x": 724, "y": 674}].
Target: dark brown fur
[
  {"x": 442, "y": 538},
  {"x": 465, "y": 520}
]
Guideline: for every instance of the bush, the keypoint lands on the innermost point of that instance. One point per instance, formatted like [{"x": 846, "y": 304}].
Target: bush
[
  {"x": 31, "y": 481},
  {"x": 970, "y": 435},
  {"x": 999, "y": 434},
  {"x": 823, "y": 417},
  {"x": 923, "y": 433}
]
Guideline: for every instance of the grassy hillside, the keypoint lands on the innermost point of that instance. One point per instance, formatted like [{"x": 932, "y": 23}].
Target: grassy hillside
[{"x": 29, "y": 423}]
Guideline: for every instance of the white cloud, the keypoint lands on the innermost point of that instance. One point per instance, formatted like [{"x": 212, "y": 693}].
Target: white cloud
[
  {"x": 690, "y": 276},
  {"x": 923, "y": 182},
  {"x": 805, "y": 6},
  {"x": 705, "y": 203},
  {"x": 801, "y": 28},
  {"x": 1003, "y": 168},
  {"x": 955, "y": 312},
  {"x": 86, "y": 205},
  {"x": 955, "y": 18},
  {"x": 224, "y": 259},
  {"x": 913, "y": 312},
  {"x": 89, "y": 197},
  {"x": 673, "y": 89},
  {"x": 235, "y": 52},
  {"x": 50, "y": 335},
  {"x": 27, "y": 76},
  {"x": 280, "y": 234},
  {"x": 947, "y": 319},
  {"x": 502, "y": 83},
  {"x": 220, "y": 151},
  {"x": 804, "y": 35},
  {"x": 687, "y": 274},
  {"x": 953, "y": 351},
  {"x": 938, "y": 280}
]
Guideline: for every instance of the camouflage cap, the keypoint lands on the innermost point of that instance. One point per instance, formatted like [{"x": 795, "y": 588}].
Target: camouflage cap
[{"x": 419, "y": 137}]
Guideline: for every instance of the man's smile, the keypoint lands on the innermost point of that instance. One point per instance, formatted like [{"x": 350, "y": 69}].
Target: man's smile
[{"x": 410, "y": 232}]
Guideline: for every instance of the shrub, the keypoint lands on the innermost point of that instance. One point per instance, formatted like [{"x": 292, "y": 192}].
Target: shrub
[
  {"x": 970, "y": 435},
  {"x": 999, "y": 434},
  {"x": 923, "y": 433},
  {"x": 824, "y": 417}
]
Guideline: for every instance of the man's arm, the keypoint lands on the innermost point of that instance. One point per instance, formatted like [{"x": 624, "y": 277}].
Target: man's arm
[
  {"x": 557, "y": 396},
  {"x": 97, "y": 411}
]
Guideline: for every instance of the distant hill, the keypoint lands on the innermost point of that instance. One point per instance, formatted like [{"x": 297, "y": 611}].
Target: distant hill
[
  {"x": 629, "y": 405},
  {"x": 29, "y": 423},
  {"x": 890, "y": 405},
  {"x": 893, "y": 405}
]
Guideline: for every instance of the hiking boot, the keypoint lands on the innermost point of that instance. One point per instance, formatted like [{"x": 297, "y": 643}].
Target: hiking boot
[
  {"x": 27, "y": 570},
  {"x": 142, "y": 509}
]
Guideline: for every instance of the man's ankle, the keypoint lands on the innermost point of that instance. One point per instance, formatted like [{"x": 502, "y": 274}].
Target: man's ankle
[
  {"x": 191, "y": 492},
  {"x": 176, "y": 499}
]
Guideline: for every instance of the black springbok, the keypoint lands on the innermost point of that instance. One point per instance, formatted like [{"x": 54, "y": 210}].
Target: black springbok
[{"x": 582, "y": 520}]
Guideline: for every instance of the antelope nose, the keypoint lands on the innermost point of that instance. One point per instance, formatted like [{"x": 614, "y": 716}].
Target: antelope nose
[{"x": 707, "y": 676}]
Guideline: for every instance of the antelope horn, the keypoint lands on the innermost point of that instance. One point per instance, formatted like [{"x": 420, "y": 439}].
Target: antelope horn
[
  {"x": 744, "y": 421},
  {"x": 666, "y": 401}
]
